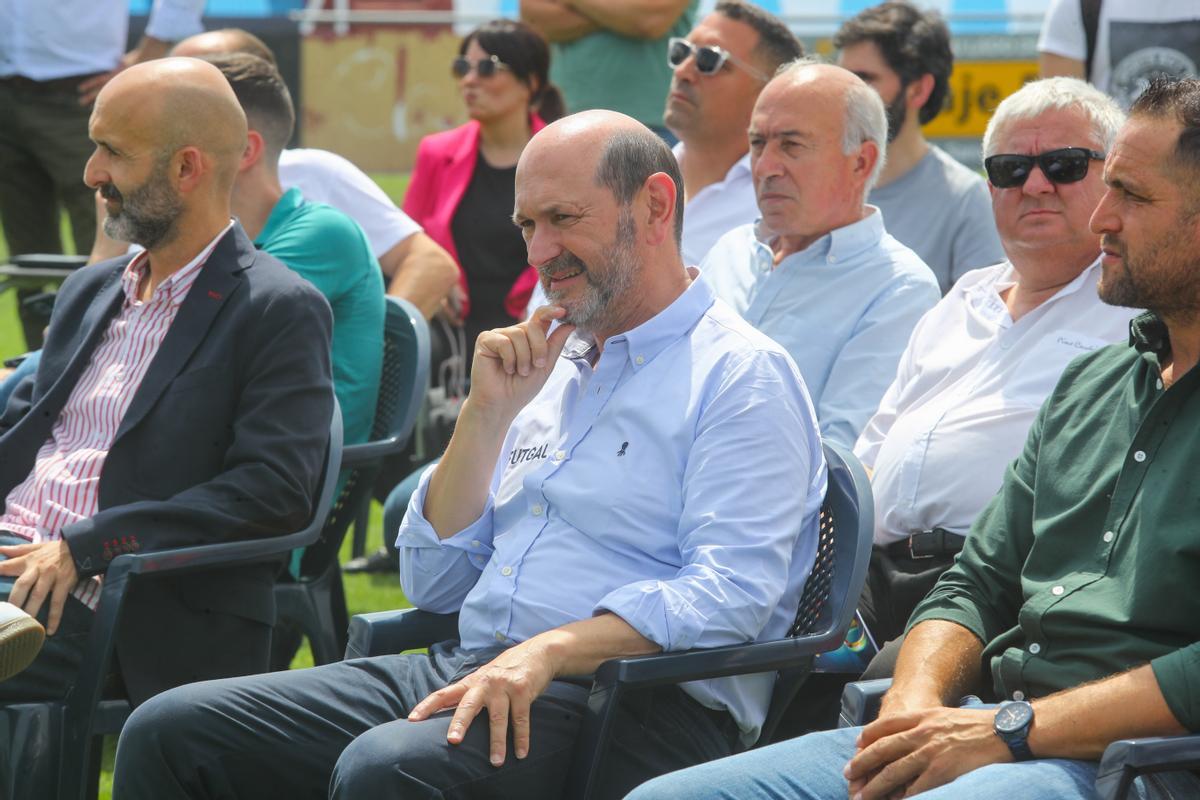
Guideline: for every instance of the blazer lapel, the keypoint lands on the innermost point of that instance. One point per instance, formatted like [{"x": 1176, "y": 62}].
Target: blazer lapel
[
  {"x": 96, "y": 319},
  {"x": 218, "y": 279}
]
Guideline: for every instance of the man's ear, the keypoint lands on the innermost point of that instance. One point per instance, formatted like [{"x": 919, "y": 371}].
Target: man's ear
[
  {"x": 659, "y": 195},
  {"x": 255, "y": 149},
  {"x": 919, "y": 91},
  {"x": 865, "y": 161},
  {"x": 190, "y": 167}
]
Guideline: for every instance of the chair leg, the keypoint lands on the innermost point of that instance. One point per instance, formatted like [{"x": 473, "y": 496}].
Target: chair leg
[
  {"x": 321, "y": 626},
  {"x": 362, "y": 515},
  {"x": 91, "y": 789}
]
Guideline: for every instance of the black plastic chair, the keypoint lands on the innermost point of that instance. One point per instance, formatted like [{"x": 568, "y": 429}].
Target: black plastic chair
[
  {"x": 1122, "y": 762},
  {"x": 53, "y": 749},
  {"x": 315, "y": 602},
  {"x": 825, "y": 611}
]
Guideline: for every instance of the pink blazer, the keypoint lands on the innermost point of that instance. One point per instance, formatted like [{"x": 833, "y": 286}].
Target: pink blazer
[{"x": 445, "y": 165}]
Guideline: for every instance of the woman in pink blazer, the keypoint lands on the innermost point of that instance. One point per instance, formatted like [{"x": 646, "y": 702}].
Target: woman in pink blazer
[{"x": 462, "y": 184}]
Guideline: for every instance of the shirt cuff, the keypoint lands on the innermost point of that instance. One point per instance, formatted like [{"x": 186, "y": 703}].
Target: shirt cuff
[
  {"x": 416, "y": 532},
  {"x": 658, "y": 612},
  {"x": 175, "y": 20},
  {"x": 1178, "y": 676},
  {"x": 964, "y": 615}
]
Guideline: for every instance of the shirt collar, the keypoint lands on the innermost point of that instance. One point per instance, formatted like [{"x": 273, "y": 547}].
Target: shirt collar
[
  {"x": 175, "y": 287},
  {"x": 653, "y": 336},
  {"x": 1149, "y": 334},
  {"x": 838, "y": 245},
  {"x": 287, "y": 205}
]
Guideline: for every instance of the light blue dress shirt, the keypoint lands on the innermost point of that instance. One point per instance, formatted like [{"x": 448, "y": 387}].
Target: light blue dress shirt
[
  {"x": 676, "y": 483},
  {"x": 843, "y": 308}
]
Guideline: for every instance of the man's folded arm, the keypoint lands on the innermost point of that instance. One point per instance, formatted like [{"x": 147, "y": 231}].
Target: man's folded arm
[
  {"x": 752, "y": 471},
  {"x": 271, "y": 471}
]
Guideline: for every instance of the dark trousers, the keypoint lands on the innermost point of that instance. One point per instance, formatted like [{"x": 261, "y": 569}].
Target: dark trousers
[
  {"x": 57, "y": 665},
  {"x": 44, "y": 146},
  {"x": 340, "y": 731}
]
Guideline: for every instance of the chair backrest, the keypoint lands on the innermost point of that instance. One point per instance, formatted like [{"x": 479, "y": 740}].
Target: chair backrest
[
  {"x": 84, "y": 715},
  {"x": 402, "y": 387},
  {"x": 832, "y": 591}
]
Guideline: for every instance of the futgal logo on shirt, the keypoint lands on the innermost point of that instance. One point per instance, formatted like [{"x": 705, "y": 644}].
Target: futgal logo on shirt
[{"x": 520, "y": 455}]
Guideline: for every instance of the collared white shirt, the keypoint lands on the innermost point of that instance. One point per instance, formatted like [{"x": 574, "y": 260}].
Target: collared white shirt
[
  {"x": 64, "y": 485},
  {"x": 966, "y": 392},
  {"x": 676, "y": 483},
  {"x": 843, "y": 308},
  {"x": 48, "y": 39},
  {"x": 717, "y": 209}
]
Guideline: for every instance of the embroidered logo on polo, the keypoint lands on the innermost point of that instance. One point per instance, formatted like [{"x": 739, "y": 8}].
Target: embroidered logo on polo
[{"x": 521, "y": 455}]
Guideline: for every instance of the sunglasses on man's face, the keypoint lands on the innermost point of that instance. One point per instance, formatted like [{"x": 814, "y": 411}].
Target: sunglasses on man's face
[
  {"x": 1065, "y": 165},
  {"x": 709, "y": 58},
  {"x": 484, "y": 67}
]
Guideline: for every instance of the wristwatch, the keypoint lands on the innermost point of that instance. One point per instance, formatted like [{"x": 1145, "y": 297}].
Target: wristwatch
[{"x": 1012, "y": 723}]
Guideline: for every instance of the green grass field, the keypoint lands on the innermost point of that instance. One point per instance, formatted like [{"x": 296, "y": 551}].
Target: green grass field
[{"x": 363, "y": 592}]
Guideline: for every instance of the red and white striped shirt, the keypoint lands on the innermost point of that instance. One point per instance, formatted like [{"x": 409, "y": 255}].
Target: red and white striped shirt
[{"x": 64, "y": 485}]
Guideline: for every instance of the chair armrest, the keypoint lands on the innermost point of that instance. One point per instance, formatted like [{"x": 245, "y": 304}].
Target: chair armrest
[
  {"x": 1125, "y": 759},
  {"x": 49, "y": 261},
  {"x": 386, "y": 632},
  {"x": 224, "y": 554},
  {"x": 716, "y": 662},
  {"x": 861, "y": 700},
  {"x": 368, "y": 453}
]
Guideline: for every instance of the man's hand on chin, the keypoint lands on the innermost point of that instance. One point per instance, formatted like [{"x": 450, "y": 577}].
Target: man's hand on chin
[
  {"x": 506, "y": 687},
  {"x": 910, "y": 752},
  {"x": 43, "y": 570}
]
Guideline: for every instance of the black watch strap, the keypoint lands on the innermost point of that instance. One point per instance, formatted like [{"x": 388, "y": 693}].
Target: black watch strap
[{"x": 1019, "y": 747}]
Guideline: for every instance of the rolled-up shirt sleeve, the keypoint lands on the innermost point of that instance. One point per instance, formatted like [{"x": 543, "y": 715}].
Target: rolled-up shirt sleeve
[
  {"x": 1178, "y": 676},
  {"x": 175, "y": 20},
  {"x": 437, "y": 573},
  {"x": 747, "y": 534}
]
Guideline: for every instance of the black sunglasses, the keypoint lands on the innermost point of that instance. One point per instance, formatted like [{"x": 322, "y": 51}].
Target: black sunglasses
[
  {"x": 709, "y": 58},
  {"x": 1065, "y": 165},
  {"x": 484, "y": 67}
]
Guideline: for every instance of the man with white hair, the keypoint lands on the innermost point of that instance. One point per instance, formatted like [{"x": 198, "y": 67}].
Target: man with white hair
[
  {"x": 981, "y": 362},
  {"x": 818, "y": 273}
]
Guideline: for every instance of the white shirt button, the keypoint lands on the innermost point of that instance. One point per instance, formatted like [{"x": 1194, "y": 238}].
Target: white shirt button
[
  {"x": 1057, "y": 590},
  {"x": 560, "y": 455},
  {"x": 1158, "y": 383},
  {"x": 1018, "y": 695},
  {"x": 1109, "y": 536},
  {"x": 499, "y": 636},
  {"x": 1035, "y": 648},
  {"x": 1139, "y": 456},
  {"x": 476, "y": 543},
  {"x": 640, "y": 360},
  {"x": 537, "y": 510},
  {"x": 506, "y": 571},
  {"x": 832, "y": 259}
]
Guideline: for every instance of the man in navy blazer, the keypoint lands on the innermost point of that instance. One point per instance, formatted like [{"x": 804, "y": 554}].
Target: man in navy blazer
[{"x": 186, "y": 394}]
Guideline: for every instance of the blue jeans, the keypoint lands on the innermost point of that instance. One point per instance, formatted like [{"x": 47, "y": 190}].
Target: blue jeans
[{"x": 810, "y": 768}]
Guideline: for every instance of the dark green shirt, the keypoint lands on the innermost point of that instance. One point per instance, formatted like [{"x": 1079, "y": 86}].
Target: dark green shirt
[{"x": 1087, "y": 563}]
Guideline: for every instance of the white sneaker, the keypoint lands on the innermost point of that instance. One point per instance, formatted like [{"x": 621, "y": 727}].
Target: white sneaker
[{"x": 21, "y": 638}]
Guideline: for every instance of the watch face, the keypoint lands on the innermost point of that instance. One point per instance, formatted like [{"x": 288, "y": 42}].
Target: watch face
[{"x": 1013, "y": 716}]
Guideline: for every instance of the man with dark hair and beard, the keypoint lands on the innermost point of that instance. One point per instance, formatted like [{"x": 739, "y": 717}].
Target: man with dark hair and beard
[
  {"x": 1073, "y": 603},
  {"x": 611, "y": 489},
  {"x": 183, "y": 398},
  {"x": 930, "y": 202}
]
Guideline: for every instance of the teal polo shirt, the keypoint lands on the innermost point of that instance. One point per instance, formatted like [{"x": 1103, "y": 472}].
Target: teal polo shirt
[{"x": 330, "y": 250}]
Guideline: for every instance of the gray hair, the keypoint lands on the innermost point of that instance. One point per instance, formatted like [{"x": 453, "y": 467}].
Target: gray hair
[
  {"x": 1057, "y": 94},
  {"x": 866, "y": 119},
  {"x": 632, "y": 156}
]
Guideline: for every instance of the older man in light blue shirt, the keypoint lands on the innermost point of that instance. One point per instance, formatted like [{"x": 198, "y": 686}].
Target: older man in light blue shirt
[
  {"x": 818, "y": 273},
  {"x": 646, "y": 476}
]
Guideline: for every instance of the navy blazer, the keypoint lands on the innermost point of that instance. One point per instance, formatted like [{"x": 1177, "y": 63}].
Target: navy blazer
[{"x": 224, "y": 439}]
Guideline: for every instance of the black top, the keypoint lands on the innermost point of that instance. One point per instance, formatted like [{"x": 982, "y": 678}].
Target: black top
[{"x": 490, "y": 247}]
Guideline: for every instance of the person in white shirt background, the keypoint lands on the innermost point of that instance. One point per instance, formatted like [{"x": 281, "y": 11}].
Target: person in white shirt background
[
  {"x": 980, "y": 364},
  {"x": 54, "y": 58}
]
